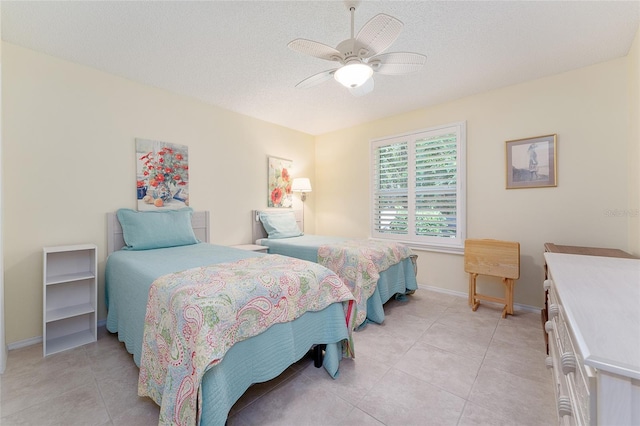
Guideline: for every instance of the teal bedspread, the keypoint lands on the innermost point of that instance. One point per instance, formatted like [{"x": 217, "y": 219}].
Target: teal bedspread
[
  {"x": 129, "y": 275},
  {"x": 396, "y": 280}
]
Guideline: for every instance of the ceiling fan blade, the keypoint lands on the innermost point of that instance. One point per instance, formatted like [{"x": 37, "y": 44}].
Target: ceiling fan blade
[
  {"x": 366, "y": 87},
  {"x": 395, "y": 63},
  {"x": 378, "y": 34},
  {"x": 314, "y": 48},
  {"x": 316, "y": 79}
]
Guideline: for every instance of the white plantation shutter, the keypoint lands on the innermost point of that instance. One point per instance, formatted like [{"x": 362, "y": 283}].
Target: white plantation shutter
[
  {"x": 435, "y": 186},
  {"x": 391, "y": 195},
  {"x": 418, "y": 188}
]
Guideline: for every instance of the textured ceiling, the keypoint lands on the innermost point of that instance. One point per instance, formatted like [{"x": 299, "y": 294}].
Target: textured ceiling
[{"x": 234, "y": 54}]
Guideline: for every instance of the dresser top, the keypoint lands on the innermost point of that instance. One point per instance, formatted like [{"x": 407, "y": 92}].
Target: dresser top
[
  {"x": 601, "y": 301},
  {"x": 591, "y": 251}
]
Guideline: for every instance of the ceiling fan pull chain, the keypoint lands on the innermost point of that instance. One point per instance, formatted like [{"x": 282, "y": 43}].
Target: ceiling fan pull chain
[{"x": 353, "y": 13}]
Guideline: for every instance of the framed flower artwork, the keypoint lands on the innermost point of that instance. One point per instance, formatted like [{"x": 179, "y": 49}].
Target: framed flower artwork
[
  {"x": 162, "y": 175},
  {"x": 279, "y": 182}
]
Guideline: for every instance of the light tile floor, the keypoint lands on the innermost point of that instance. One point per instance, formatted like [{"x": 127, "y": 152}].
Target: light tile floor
[{"x": 432, "y": 362}]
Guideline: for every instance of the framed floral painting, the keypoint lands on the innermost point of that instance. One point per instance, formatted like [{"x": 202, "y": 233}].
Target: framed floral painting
[
  {"x": 279, "y": 182},
  {"x": 162, "y": 175}
]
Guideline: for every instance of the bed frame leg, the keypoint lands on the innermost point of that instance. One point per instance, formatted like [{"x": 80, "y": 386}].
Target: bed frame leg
[{"x": 318, "y": 355}]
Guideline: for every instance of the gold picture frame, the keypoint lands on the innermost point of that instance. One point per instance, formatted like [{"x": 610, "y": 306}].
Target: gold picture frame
[{"x": 532, "y": 162}]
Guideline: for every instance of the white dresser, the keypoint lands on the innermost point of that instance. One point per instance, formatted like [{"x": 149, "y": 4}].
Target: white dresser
[{"x": 594, "y": 338}]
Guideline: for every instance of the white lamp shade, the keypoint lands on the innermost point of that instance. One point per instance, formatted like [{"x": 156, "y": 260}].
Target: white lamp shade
[
  {"x": 353, "y": 75},
  {"x": 301, "y": 185}
]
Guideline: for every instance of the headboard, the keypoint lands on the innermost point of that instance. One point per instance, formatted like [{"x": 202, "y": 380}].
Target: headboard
[
  {"x": 257, "y": 230},
  {"x": 115, "y": 239}
]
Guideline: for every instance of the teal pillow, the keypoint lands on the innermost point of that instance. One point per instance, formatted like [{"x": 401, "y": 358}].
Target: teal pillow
[
  {"x": 156, "y": 229},
  {"x": 280, "y": 225}
]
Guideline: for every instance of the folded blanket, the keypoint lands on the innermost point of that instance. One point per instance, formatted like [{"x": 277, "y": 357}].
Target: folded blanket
[
  {"x": 359, "y": 263},
  {"x": 193, "y": 317}
]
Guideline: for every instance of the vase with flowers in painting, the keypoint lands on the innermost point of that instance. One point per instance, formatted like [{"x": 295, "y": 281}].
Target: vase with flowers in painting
[
  {"x": 161, "y": 191},
  {"x": 164, "y": 170}
]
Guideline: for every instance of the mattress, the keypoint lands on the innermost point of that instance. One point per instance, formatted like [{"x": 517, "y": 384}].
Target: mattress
[
  {"x": 397, "y": 280},
  {"x": 129, "y": 275}
]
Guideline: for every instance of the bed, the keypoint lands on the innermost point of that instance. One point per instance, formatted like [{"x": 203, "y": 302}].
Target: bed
[
  {"x": 251, "y": 358},
  {"x": 390, "y": 275}
]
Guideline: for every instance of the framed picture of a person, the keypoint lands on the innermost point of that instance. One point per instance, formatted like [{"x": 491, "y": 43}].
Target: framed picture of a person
[{"x": 531, "y": 162}]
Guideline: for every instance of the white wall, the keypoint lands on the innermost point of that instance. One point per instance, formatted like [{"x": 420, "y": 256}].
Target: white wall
[
  {"x": 586, "y": 108},
  {"x": 3, "y": 346},
  {"x": 634, "y": 147},
  {"x": 69, "y": 158}
]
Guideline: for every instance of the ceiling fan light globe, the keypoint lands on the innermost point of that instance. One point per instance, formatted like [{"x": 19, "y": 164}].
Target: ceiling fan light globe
[{"x": 353, "y": 75}]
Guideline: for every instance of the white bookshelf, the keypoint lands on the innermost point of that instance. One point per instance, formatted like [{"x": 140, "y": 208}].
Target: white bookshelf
[{"x": 69, "y": 299}]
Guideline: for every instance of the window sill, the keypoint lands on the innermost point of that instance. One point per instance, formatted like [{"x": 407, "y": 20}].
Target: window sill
[
  {"x": 438, "y": 249},
  {"x": 427, "y": 247}
]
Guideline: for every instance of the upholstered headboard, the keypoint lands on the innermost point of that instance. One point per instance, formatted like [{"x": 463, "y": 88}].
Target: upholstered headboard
[
  {"x": 115, "y": 239},
  {"x": 257, "y": 230}
]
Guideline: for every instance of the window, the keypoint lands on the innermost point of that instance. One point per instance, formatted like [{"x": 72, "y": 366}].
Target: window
[{"x": 418, "y": 188}]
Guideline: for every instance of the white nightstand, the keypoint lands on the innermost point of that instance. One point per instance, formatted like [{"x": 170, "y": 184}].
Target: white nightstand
[{"x": 252, "y": 247}]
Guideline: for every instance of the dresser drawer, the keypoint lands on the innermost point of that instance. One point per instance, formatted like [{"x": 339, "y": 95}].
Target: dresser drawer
[
  {"x": 578, "y": 381},
  {"x": 564, "y": 405},
  {"x": 580, "y": 377}
]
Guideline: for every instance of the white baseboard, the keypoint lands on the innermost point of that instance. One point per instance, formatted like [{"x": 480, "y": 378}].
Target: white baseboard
[
  {"x": 516, "y": 306},
  {"x": 25, "y": 343},
  {"x": 35, "y": 340}
]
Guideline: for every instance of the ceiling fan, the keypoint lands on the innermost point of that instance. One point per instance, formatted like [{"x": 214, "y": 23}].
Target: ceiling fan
[{"x": 361, "y": 56}]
